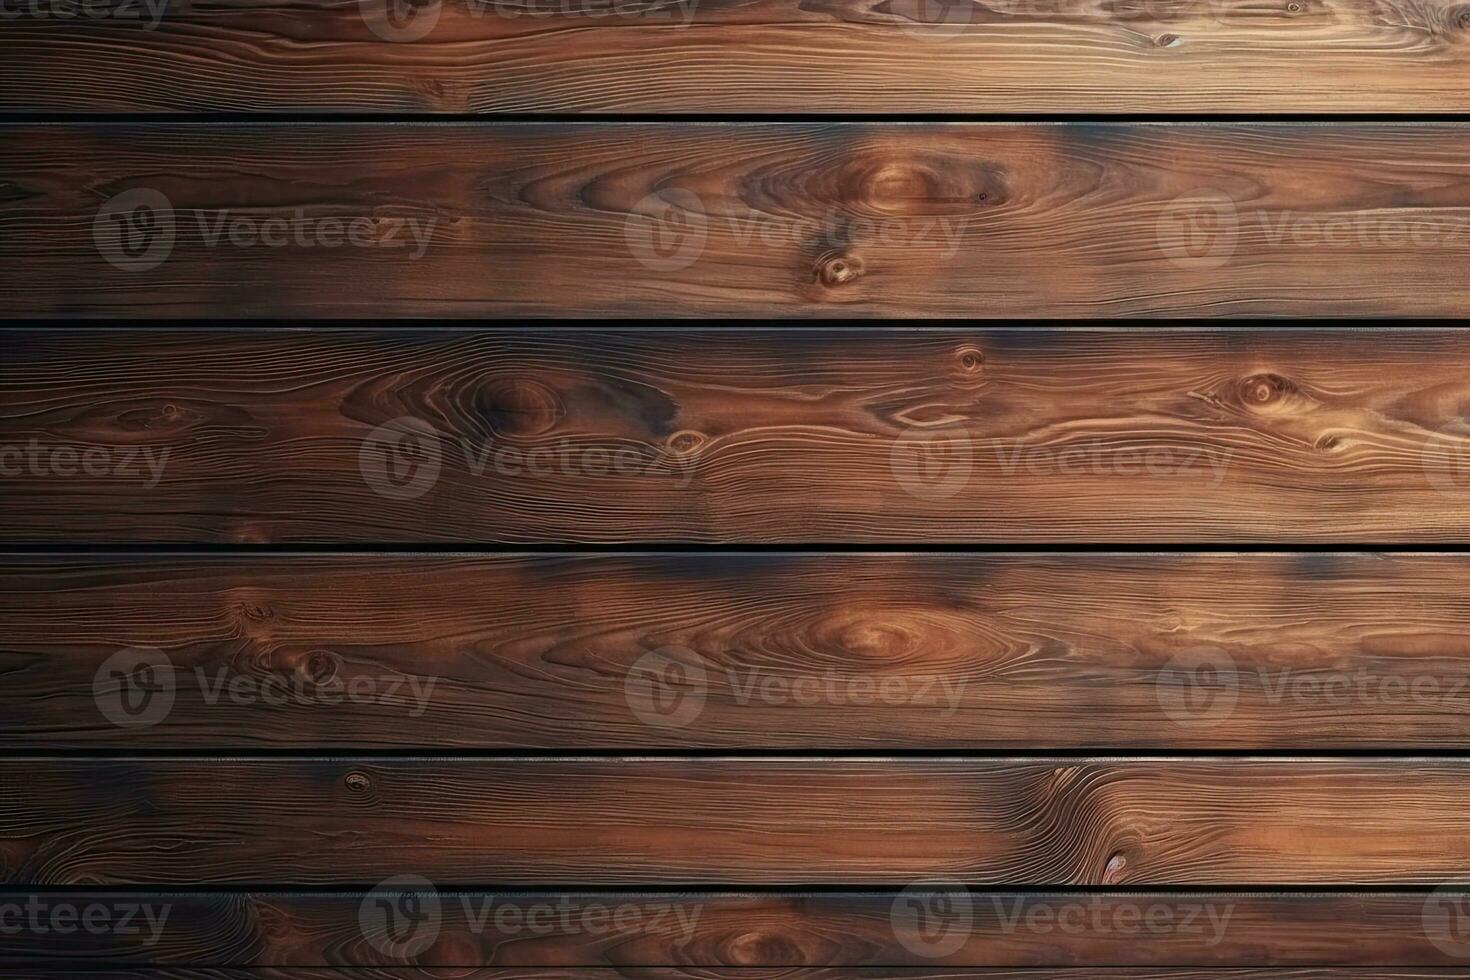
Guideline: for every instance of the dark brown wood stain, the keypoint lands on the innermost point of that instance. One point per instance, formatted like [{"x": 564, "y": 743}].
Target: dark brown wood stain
[{"x": 790, "y": 220}]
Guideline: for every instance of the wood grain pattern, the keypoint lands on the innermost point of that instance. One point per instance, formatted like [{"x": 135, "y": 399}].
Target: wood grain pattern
[
  {"x": 707, "y": 934},
  {"x": 789, "y": 651},
  {"x": 794, "y": 435},
  {"x": 721, "y": 56},
  {"x": 769, "y": 220},
  {"x": 739, "y": 973},
  {"x": 535, "y": 822}
]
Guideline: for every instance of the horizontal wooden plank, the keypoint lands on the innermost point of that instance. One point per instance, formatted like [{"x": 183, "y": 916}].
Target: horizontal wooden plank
[
  {"x": 741, "y": 973},
  {"x": 774, "y": 821},
  {"x": 922, "y": 933},
  {"x": 796, "y": 435},
  {"x": 766, "y": 56},
  {"x": 718, "y": 650},
  {"x": 769, "y": 220}
]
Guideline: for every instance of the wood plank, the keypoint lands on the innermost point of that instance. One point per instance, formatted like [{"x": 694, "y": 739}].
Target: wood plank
[
  {"x": 717, "y": 650},
  {"x": 862, "y": 56},
  {"x": 740, "y": 973},
  {"x": 731, "y": 820},
  {"x": 763, "y": 220},
  {"x": 851, "y": 933},
  {"x": 796, "y": 435}
]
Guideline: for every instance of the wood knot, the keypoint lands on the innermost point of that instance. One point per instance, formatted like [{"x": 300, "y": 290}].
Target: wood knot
[
  {"x": 319, "y": 667},
  {"x": 520, "y": 407},
  {"x": 971, "y": 359},
  {"x": 836, "y": 270},
  {"x": 256, "y": 612},
  {"x": 1166, "y": 40},
  {"x": 754, "y": 948},
  {"x": 1261, "y": 390},
  {"x": 686, "y": 442},
  {"x": 271, "y": 922},
  {"x": 159, "y": 417},
  {"x": 358, "y": 781},
  {"x": 1327, "y": 443},
  {"x": 1113, "y": 872}
]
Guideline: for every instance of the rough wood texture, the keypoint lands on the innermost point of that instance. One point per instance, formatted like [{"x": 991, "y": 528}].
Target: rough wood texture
[
  {"x": 792, "y": 435},
  {"x": 536, "y": 822},
  {"x": 285, "y": 934},
  {"x": 722, "y": 56},
  {"x": 791, "y": 651},
  {"x": 768, "y": 220},
  {"x": 737, "y": 973}
]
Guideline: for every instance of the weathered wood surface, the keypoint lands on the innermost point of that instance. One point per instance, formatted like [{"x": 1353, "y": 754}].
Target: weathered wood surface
[
  {"x": 740, "y": 973},
  {"x": 772, "y": 650},
  {"x": 534, "y": 822},
  {"x": 854, "y": 56},
  {"x": 922, "y": 933},
  {"x": 743, "y": 436},
  {"x": 764, "y": 220}
]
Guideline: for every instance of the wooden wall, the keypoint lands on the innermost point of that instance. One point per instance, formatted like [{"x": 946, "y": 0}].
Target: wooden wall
[{"x": 357, "y": 624}]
